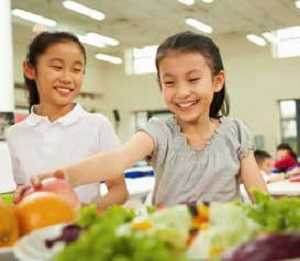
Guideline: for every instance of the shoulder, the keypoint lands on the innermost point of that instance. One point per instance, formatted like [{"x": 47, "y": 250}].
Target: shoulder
[
  {"x": 168, "y": 123},
  {"x": 16, "y": 129},
  {"x": 17, "y": 133},
  {"x": 165, "y": 126},
  {"x": 235, "y": 125}
]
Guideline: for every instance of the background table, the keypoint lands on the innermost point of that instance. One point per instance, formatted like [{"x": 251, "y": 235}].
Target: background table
[{"x": 284, "y": 188}]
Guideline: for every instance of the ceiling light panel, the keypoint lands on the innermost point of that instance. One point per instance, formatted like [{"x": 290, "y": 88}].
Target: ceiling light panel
[
  {"x": 109, "y": 58},
  {"x": 199, "y": 25},
  {"x": 34, "y": 18},
  {"x": 253, "y": 38},
  {"x": 84, "y": 10}
]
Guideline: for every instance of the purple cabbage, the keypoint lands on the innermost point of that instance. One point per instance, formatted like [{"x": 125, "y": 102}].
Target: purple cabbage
[
  {"x": 69, "y": 234},
  {"x": 267, "y": 248}
]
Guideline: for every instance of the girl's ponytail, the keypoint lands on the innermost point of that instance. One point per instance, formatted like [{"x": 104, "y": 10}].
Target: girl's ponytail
[{"x": 33, "y": 97}]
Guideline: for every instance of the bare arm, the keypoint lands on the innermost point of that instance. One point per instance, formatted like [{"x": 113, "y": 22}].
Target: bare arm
[
  {"x": 104, "y": 166},
  {"x": 251, "y": 176},
  {"x": 117, "y": 194}
]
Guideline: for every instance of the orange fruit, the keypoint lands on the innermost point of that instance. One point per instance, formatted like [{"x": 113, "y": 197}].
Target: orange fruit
[
  {"x": 9, "y": 230},
  {"x": 42, "y": 209}
]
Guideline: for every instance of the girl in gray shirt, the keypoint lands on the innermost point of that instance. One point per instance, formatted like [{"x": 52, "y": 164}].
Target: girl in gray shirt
[{"x": 198, "y": 154}]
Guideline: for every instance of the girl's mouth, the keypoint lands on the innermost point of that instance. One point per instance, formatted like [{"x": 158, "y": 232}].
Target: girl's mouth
[
  {"x": 63, "y": 90},
  {"x": 186, "y": 105}
]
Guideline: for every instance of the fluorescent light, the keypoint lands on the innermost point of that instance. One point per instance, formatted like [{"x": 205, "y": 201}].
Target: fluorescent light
[
  {"x": 297, "y": 3},
  {"x": 198, "y": 25},
  {"x": 103, "y": 39},
  {"x": 98, "y": 40},
  {"x": 271, "y": 37},
  {"x": 207, "y": 1},
  {"x": 34, "y": 18},
  {"x": 82, "y": 9},
  {"x": 256, "y": 39},
  {"x": 84, "y": 39},
  {"x": 186, "y": 2},
  {"x": 108, "y": 58}
]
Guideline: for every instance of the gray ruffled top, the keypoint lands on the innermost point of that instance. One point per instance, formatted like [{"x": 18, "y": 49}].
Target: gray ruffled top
[{"x": 185, "y": 175}]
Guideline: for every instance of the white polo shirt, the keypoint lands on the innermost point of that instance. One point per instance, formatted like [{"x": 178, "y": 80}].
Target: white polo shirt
[{"x": 37, "y": 145}]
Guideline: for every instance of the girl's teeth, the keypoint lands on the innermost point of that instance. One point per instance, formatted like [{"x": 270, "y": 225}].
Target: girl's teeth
[
  {"x": 185, "y": 105},
  {"x": 64, "y": 90}
]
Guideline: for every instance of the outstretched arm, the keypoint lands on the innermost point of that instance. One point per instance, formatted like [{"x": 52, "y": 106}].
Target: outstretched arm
[{"x": 105, "y": 166}]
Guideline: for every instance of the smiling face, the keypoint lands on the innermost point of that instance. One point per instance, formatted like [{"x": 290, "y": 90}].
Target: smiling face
[
  {"x": 188, "y": 85},
  {"x": 58, "y": 74}
]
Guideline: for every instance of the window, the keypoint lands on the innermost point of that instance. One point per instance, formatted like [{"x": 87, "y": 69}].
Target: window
[
  {"x": 140, "y": 61},
  {"x": 290, "y": 122},
  {"x": 287, "y": 42}
]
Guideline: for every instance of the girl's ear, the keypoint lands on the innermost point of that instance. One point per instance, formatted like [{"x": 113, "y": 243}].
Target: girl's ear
[
  {"x": 219, "y": 80},
  {"x": 28, "y": 70}
]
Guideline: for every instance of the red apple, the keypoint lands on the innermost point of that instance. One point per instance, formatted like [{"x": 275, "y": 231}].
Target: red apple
[{"x": 59, "y": 186}]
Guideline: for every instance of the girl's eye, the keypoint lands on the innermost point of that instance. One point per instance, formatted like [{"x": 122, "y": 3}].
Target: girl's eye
[
  {"x": 169, "y": 84},
  {"x": 77, "y": 70},
  {"x": 56, "y": 67},
  {"x": 194, "y": 80}
]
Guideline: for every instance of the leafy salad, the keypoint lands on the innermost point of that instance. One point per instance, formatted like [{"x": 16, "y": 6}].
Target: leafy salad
[
  {"x": 223, "y": 230},
  {"x": 118, "y": 235}
]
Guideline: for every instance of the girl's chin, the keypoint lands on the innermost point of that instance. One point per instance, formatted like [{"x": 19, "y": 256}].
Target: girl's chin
[
  {"x": 64, "y": 100},
  {"x": 190, "y": 119}
]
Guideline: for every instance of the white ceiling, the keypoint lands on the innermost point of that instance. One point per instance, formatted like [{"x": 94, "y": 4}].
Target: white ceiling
[{"x": 136, "y": 23}]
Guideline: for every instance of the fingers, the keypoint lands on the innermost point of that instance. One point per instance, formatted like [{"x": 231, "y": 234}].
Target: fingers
[
  {"x": 37, "y": 180},
  {"x": 19, "y": 193},
  {"x": 60, "y": 174}
]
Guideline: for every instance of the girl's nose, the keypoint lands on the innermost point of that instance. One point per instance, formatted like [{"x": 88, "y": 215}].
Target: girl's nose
[
  {"x": 183, "y": 90},
  {"x": 66, "y": 77}
]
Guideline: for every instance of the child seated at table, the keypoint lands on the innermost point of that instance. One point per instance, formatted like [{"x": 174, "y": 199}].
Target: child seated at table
[
  {"x": 286, "y": 158},
  {"x": 265, "y": 164}
]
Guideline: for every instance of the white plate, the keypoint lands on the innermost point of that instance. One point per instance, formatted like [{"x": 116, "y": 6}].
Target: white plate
[{"x": 32, "y": 247}]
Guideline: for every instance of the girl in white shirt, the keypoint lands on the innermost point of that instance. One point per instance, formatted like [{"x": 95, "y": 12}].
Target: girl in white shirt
[{"x": 59, "y": 132}]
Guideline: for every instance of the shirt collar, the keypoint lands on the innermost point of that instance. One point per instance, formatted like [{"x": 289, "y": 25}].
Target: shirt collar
[{"x": 71, "y": 117}]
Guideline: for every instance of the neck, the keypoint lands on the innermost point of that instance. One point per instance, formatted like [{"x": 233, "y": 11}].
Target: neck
[
  {"x": 53, "y": 112},
  {"x": 202, "y": 126},
  {"x": 199, "y": 133}
]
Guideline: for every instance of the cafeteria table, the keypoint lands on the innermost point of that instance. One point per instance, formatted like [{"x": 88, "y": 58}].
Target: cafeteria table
[{"x": 284, "y": 188}]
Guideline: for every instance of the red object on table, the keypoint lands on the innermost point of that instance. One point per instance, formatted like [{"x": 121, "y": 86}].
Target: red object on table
[{"x": 285, "y": 163}]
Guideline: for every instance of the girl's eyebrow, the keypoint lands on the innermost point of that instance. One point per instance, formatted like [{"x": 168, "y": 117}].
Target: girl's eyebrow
[
  {"x": 194, "y": 71},
  {"x": 167, "y": 74},
  {"x": 78, "y": 63},
  {"x": 55, "y": 59}
]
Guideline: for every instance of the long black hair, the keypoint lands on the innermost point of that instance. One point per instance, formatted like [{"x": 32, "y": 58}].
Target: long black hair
[
  {"x": 37, "y": 47},
  {"x": 189, "y": 42}
]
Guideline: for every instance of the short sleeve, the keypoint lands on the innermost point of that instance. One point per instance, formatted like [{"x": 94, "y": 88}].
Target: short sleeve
[
  {"x": 108, "y": 139},
  {"x": 19, "y": 176},
  {"x": 245, "y": 139},
  {"x": 158, "y": 131}
]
